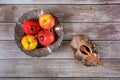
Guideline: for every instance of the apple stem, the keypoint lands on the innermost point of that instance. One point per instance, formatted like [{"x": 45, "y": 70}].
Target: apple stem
[
  {"x": 41, "y": 38},
  {"x": 28, "y": 42}
]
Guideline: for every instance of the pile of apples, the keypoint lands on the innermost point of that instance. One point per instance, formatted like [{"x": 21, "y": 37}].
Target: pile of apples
[{"x": 37, "y": 32}]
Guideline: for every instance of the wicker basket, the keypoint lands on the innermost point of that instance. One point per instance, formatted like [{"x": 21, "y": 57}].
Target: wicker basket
[{"x": 39, "y": 51}]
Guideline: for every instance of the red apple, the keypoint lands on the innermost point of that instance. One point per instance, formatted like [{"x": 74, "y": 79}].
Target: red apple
[
  {"x": 46, "y": 37},
  {"x": 46, "y": 21},
  {"x": 31, "y": 27}
]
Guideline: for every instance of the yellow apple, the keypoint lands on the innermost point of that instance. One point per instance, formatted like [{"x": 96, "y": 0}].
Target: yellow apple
[
  {"x": 29, "y": 42},
  {"x": 46, "y": 21}
]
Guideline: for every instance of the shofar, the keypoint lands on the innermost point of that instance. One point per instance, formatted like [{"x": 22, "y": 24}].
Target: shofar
[{"x": 75, "y": 44}]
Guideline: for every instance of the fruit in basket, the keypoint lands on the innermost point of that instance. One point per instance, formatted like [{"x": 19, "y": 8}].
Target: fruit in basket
[
  {"x": 29, "y": 42},
  {"x": 31, "y": 27},
  {"x": 46, "y": 21},
  {"x": 46, "y": 37}
]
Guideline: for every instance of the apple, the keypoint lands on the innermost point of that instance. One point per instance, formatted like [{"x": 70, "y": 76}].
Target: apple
[
  {"x": 29, "y": 42},
  {"x": 46, "y": 21},
  {"x": 31, "y": 27},
  {"x": 46, "y": 37}
]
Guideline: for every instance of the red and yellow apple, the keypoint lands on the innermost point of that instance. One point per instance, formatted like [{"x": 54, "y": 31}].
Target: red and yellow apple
[
  {"x": 46, "y": 37},
  {"x": 31, "y": 27},
  {"x": 46, "y": 21},
  {"x": 29, "y": 42}
]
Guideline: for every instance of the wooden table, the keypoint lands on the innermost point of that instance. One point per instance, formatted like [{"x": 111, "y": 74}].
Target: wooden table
[{"x": 98, "y": 20}]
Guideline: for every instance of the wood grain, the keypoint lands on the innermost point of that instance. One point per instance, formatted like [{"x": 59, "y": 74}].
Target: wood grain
[
  {"x": 56, "y": 68},
  {"x": 93, "y": 31},
  {"x": 65, "y": 13},
  {"x": 110, "y": 78},
  {"x": 60, "y": 2},
  {"x": 98, "y": 20},
  {"x": 7, "y": 31},
  {"x": 106, "y": 49}
]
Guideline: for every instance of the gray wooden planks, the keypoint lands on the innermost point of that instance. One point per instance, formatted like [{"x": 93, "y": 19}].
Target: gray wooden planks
[
  {"x": 15, "y": 63},
  {"x": 106, "y": 49},
  {"x": 7, "y": 31},
  {"x": 93, "y": 78},
  {"x": 60, "y": 2},
  {"x": 65, "y": 13},
  {"x": 93, "y": 31},
  {"x": 57, "y": 68}
]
